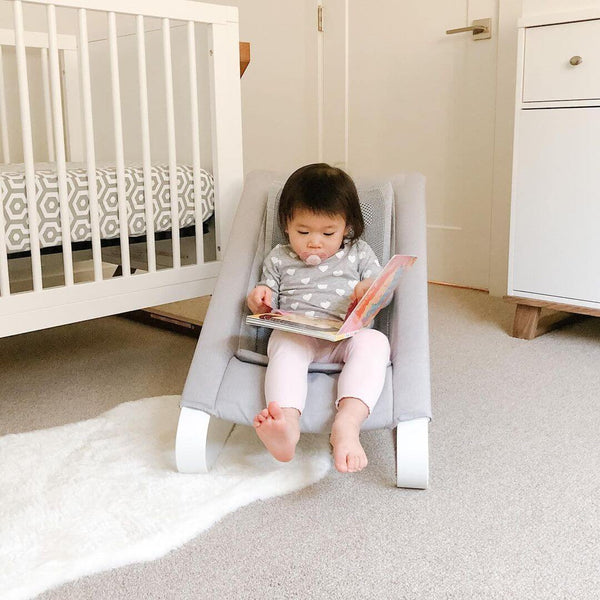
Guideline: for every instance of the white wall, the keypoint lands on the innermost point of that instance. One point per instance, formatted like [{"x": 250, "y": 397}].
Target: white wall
[
  {"x": 13, "y": 113},
  {"x": 279, "y": 87}
]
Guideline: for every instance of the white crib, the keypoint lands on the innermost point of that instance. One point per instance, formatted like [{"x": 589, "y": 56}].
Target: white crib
[{"x": 118, "y": 106}]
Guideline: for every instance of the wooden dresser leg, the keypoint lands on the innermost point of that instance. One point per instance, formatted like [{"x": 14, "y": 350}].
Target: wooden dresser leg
[{"x": 526, "y": 321}]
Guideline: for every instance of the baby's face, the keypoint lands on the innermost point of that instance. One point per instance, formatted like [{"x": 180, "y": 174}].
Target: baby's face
[{"x": 315, "y": 234}]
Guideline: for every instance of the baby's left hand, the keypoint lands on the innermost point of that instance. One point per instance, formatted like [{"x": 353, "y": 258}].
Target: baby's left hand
[{"x": 360, "y": 289}]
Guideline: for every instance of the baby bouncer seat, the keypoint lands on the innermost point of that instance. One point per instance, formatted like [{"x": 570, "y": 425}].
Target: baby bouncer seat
[{"x": 225, "y": 384}]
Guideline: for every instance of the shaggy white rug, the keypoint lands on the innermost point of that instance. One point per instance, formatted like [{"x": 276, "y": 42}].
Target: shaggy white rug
[{"x": 103, "y": 493}]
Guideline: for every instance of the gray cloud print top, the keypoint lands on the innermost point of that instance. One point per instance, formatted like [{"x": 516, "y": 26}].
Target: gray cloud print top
[{"x": 319, "y": 291}]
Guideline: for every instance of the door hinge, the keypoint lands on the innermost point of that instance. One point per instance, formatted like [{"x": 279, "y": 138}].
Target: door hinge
[{"x": 320, "y": 18}]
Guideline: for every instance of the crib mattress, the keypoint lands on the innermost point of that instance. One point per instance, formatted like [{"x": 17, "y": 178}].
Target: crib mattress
[{"x": 13, "y": 200}]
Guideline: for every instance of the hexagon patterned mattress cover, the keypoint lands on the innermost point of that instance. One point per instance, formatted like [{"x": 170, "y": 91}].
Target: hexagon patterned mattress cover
[{"x": 13, "y": 200}]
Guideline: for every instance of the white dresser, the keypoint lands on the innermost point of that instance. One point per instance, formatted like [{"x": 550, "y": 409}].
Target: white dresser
[{"x": 554, "y": 256}]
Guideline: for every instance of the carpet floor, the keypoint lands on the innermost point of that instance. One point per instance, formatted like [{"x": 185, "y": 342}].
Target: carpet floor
[{"x": 513, "y": 508}]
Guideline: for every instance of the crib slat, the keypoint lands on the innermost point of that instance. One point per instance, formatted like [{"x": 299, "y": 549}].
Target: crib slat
[
  {"x": 90, "y": 154},
  {"x": 195, "y": 141},
  {"x": 4, "y": 277},
  {"x": 3, "y": 119},
  {"x": 146, "y": 161},
  {"x": 32, "y": 215},
  {"x": 59, "y": 145},
  {"x": 47, "y": 105},
  {"x": 181, "y": 11},
  {"x": 119, "y": 154},
  {"x": 173, "y": 188}
]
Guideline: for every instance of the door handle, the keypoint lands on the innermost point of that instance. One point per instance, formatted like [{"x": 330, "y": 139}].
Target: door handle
[{"x": 481, "y": 28}]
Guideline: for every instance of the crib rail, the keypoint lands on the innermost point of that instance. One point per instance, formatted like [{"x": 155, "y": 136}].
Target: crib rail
[
  {"x": 180, "y": 10},
  {"x": 47, "y": 306}
]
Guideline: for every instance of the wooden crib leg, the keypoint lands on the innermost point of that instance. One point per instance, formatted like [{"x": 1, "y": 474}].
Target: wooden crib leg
[
  {"x": 200, "y": 438},
  {"x": 412, "y": 454}
]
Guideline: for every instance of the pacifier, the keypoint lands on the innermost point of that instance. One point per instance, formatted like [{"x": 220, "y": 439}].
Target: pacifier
[{"x": 313, "y": 260}]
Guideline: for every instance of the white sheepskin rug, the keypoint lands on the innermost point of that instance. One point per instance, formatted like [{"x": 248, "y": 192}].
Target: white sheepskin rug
[{"x": 104, "y": 493}]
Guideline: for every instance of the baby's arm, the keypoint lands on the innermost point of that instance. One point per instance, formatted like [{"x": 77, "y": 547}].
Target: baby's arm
[
  {"x": 260, "y": 299},
  {"x": 369, "y": 268},
  {"x": 265, "y": 296}
]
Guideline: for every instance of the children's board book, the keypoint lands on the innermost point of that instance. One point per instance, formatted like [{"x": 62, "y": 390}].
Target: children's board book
[{"x": 360, "y": 314}]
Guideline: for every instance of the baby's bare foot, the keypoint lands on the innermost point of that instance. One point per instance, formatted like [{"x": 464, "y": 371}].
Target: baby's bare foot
[
  {"x": 348, "y": 453},
  {"x": 279, "y": 430}
]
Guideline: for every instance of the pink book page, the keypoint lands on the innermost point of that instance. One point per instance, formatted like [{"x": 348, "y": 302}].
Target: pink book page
[{"x": 378, "y": 294}]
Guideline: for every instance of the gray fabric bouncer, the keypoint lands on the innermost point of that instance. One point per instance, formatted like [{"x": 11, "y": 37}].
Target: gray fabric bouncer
[{"x": 225, "y": 384}]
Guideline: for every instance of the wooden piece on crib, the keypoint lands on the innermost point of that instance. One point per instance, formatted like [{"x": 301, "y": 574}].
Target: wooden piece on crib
[
  {"x": 244, "y": 56},
  {"x": 200, "y": 439}
]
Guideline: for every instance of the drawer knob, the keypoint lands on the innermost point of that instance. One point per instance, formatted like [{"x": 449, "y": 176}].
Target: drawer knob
[{"x": 576, "y": 60}]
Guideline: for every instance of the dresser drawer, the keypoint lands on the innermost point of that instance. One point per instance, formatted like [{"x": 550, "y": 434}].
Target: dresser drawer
[{"x": 548, "y": 73}]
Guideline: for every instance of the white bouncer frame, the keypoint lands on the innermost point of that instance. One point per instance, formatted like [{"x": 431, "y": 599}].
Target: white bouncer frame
[
  {"x": 200, "y": 438},
  {"x": 71, "y": 302}
]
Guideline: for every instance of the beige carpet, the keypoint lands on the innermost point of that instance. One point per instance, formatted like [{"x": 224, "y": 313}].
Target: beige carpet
[{"x": 513, "y": 510}]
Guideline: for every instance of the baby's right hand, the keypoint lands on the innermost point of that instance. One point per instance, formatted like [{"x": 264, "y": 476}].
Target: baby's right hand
[{"x": 259, "y": 299}]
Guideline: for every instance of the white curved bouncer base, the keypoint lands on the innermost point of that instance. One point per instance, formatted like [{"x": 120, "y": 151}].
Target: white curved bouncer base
[
  {"x": 412, "y": 454},
  {"x": 200, "y": 438}
]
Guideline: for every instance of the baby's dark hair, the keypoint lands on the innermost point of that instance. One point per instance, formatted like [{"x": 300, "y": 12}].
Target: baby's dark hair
[{"x": 323, "y": 189}]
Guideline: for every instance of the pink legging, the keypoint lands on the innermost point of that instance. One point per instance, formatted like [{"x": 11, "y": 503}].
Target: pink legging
[{"x": 365, "y": 357}]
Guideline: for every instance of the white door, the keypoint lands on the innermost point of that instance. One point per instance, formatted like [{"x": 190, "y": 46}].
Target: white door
[{"x": 417, "y": 99}]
